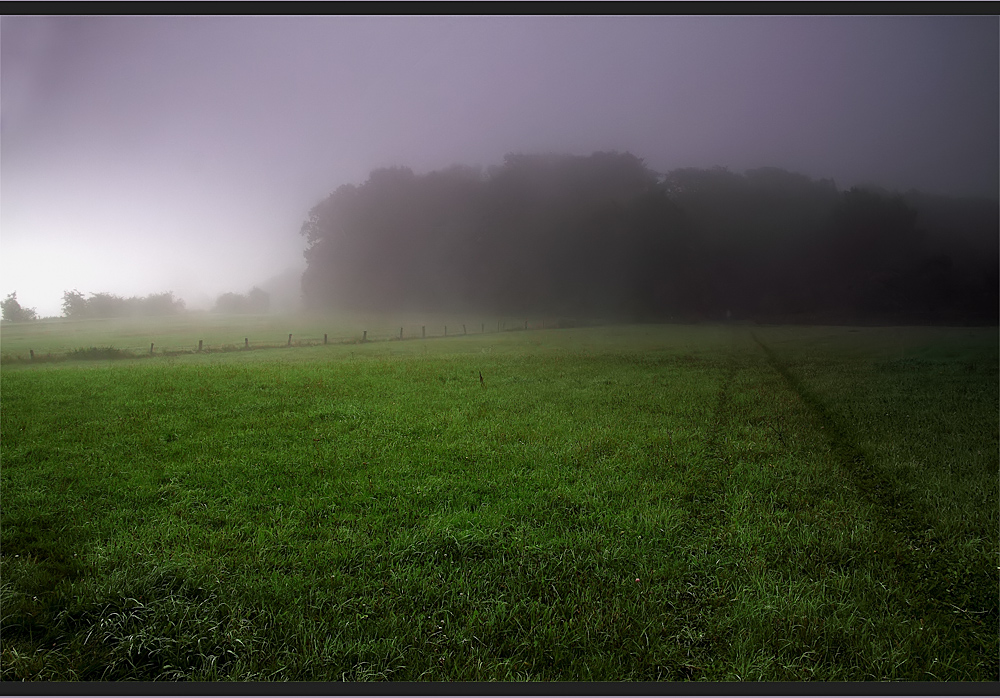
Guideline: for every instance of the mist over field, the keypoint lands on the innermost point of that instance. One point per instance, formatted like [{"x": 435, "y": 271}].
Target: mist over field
[
  {"x": 499, "y": 349},
  {"x": 768, "y": 168}
]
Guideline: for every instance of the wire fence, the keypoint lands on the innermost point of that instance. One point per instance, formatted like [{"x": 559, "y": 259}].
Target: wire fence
[{"x": 305, "y": 339}]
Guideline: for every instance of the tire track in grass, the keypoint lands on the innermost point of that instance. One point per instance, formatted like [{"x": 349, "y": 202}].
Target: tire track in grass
[
  {"x": 920, "y": 567},
  {"x": 703, "y": 500}
]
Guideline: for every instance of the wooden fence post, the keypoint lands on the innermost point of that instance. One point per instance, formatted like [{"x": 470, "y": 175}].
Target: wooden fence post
[
  {"x": 364, "y": 337},
  {"x": 150, "y": 347},
  {"x": 324, "y": 338},
  {"x": 289, "y": 340},
  {"x": 32, "y": 353},
  {"x": 463, "y": 328},
  {"x": 525, "y": 324},
  {"x": 199, "y": 344},
  {"x": 246, "y": 342},
  {"x": 400, "y": 332},
  {"x": 445, "y": 330},
  {"x": 423, "y": 331}
]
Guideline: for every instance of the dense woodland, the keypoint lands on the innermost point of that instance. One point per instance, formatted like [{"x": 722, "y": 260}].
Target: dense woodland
[{"x": 605, "y": 236}]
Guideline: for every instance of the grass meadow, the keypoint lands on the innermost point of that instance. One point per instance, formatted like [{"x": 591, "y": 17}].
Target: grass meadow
[{"x": 621, "y": 503}]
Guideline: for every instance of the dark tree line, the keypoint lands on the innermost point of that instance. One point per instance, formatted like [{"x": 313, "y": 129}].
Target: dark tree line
[
  {"x": 603, "y": 235},
  {"x": 108, "y": 305}
]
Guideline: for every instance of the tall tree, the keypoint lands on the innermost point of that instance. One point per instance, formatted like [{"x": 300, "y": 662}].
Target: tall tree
[
  {"x": 74, "y": 304},
  {"x": 14, "y": 312}
]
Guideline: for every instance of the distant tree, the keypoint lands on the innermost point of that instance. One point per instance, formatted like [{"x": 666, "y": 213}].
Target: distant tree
[
  {"x": 160, "y": 304},
  {"x": 74, "y": 304},
  {"x": 230, "y": 303},
  {"x": 257, "y": 301},
  {"x": 13, "y": 312},
  {"x": 106, "y": 305}
]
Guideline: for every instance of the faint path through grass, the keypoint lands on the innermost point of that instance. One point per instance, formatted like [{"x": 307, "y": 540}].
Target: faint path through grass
[{"x": 942, "y": 587}]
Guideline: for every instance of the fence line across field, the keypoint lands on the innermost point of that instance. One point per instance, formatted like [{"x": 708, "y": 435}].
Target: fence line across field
[
  {"x": 502, "y": 326},
  {"x": 381, "y": 335}
]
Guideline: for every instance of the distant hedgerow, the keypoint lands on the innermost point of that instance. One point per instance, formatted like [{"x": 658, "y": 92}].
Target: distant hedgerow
[{"x": 99, "y": 353}]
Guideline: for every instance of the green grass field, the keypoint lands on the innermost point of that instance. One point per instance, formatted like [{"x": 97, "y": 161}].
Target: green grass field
[{"x": 626, "y": 503}]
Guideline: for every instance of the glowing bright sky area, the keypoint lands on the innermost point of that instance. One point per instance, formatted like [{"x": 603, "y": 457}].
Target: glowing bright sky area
[{"x": 150, "y": 154}]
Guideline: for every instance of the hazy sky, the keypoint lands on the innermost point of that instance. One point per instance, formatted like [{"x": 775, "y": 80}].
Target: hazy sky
[{"x": 146, "y": 154}]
